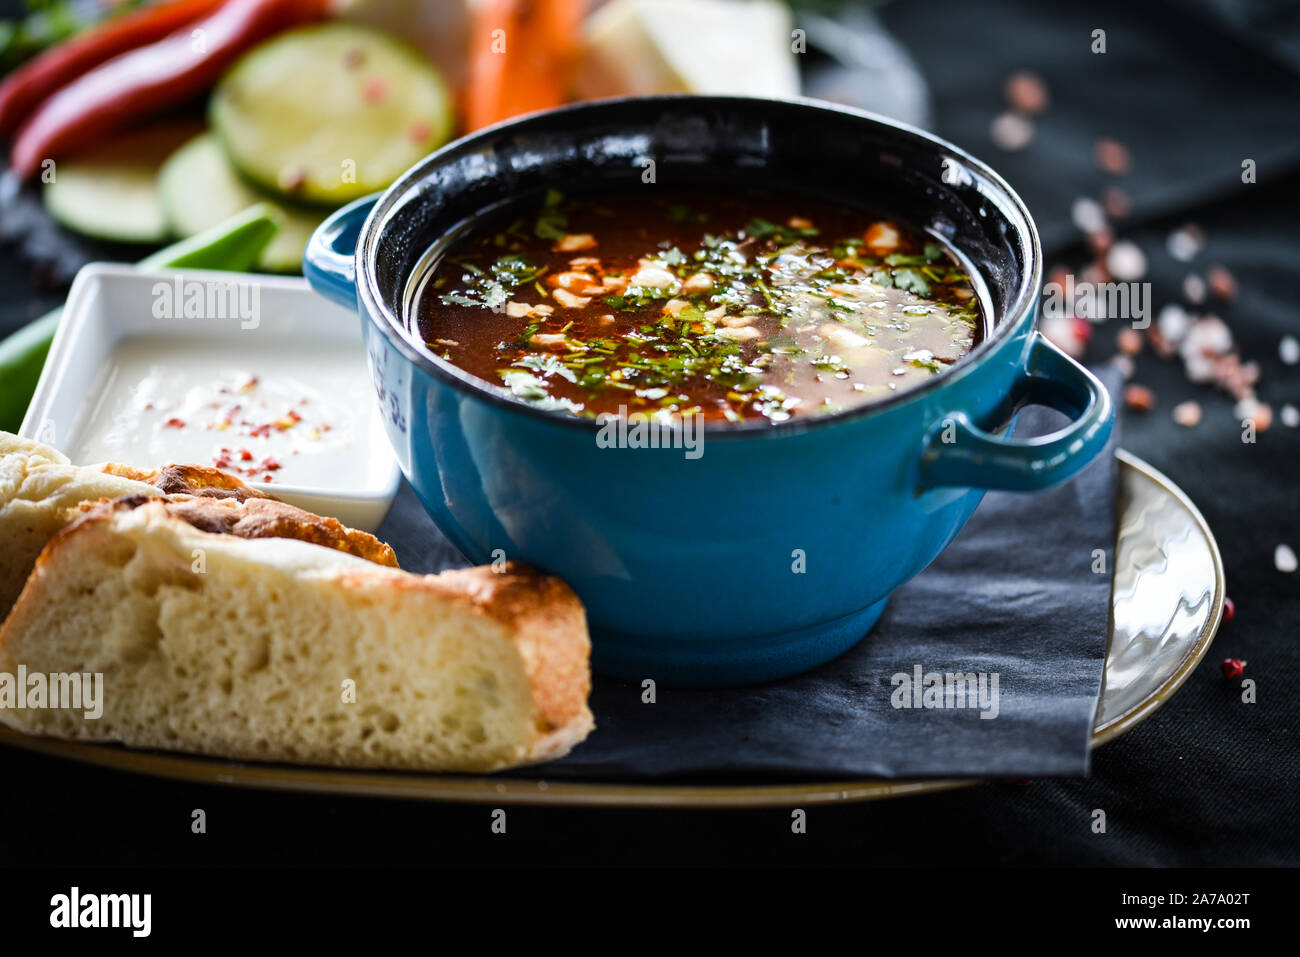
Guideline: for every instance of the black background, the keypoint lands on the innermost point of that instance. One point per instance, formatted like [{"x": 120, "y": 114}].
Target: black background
[{"x": 1191, "y": 89}]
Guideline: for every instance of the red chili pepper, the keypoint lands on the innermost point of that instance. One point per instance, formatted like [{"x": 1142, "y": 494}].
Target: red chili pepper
[
  {"x": 24, "y": 89},
  {"x": 1233, "y": 668},
  {"x": 151, "y": 79}
]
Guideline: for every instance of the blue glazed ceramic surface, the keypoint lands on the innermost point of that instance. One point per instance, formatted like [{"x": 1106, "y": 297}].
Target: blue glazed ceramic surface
[{"x": 776, "y": 548}]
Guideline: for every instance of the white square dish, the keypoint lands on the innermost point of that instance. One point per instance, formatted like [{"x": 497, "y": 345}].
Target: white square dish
[{"x": 256, "y": 374}]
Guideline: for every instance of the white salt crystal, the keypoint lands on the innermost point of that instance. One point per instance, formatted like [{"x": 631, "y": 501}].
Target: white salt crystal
[
  {"x": 1289, "y": 350},
  {"x": 1173, "y": 322},
  {"x": 1209, "y": 336},
  {"x": 1126, "y": 261},
  {"x": 1011, "y": 132},
  {"x": 1088, "y": 215}
]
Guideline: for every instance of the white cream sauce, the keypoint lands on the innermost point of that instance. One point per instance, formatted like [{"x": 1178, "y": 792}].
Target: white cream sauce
[{"x": 300, "y": 415}]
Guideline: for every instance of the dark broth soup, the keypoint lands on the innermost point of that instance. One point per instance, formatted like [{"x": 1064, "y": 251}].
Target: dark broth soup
[{"x": 747, "y": 306}]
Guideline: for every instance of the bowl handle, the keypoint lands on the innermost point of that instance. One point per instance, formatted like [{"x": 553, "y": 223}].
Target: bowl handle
[
  {"x": 329, "y": 261},
  {"x": 957, "y": 452}
]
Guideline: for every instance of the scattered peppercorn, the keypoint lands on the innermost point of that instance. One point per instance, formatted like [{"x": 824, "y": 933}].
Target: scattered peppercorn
[
  {"x": 1026, "y": 91},
  {"x": 1222, "y": 284},
  {"x": 1100, "y": 241},
  {"x": 1233, "y": 668},
  {"x": 1139, "y": 398},
  {"x": 1129, "y": 341},
  {"x": 1257, "y": 413},
  {"x": 1116, "y": 203},
  {"x": 1187, "y": 414},
  {"x": 1112, "y": 156}
]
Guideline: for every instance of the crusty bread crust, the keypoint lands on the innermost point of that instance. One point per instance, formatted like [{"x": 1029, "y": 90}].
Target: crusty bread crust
[
  {"x": 544, "y": 614},
  {"x": 522, "y": 632},
  {"x": 41, "y": 492},
  {"x": 200, "y": 480},
  {"x": 263, "y": 518}
]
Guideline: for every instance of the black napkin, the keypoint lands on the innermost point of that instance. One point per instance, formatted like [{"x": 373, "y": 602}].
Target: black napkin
[{"x": 1014, "y": 595}]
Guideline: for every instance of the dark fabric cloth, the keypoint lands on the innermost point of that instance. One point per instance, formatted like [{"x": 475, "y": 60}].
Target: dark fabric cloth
[
  {"x": 1013, "y": 596},
  {"x": 1191, "y": 89}
]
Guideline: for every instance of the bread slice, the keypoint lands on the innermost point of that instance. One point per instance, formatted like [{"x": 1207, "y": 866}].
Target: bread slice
[
  {"x": 41, "y": 492},
  {"x": 252, "y": 648}
]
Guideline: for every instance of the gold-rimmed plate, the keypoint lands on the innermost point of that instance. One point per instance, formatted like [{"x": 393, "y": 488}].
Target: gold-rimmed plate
[{"x": 1166, "y": 603}]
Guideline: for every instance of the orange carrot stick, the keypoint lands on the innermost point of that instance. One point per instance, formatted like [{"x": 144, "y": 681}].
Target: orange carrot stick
[{"x": 522, "y": 54}]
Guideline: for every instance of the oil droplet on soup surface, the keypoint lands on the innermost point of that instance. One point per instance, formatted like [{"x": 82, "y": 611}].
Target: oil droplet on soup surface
[{"x": 755, "y": 306}]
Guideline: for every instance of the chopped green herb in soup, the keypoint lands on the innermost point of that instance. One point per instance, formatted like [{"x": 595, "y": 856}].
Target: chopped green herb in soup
[{"x": 750, "y": 307}]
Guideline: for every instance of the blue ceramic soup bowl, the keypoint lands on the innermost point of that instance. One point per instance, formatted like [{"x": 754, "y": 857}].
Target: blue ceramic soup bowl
[{"x": 769, "y": 549}]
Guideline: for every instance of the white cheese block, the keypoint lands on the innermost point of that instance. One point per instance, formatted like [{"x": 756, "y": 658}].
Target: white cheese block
[{"x": 635, "y": 47}]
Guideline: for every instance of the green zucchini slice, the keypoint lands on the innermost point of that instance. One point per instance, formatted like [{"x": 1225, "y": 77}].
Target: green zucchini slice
[
  {"x": 330, "y": 113},
  {"x": 199, "y": 189},
  {"x": 108, "y": 191}
]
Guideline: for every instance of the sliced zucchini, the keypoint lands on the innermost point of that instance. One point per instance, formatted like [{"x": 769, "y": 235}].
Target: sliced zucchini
[
  {"x": 329, "y": 113},
  {"x": 108, "y": 191},
  {"x": 199, "y": 189}
]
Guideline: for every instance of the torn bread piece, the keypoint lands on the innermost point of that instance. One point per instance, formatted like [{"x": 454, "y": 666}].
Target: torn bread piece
[
  {"x": 41, "y": 492},
  {"x": 280, "y": 650}
]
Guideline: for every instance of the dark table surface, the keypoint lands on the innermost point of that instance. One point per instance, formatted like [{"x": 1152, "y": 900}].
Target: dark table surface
[{"x": 1192, "y": 89}]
